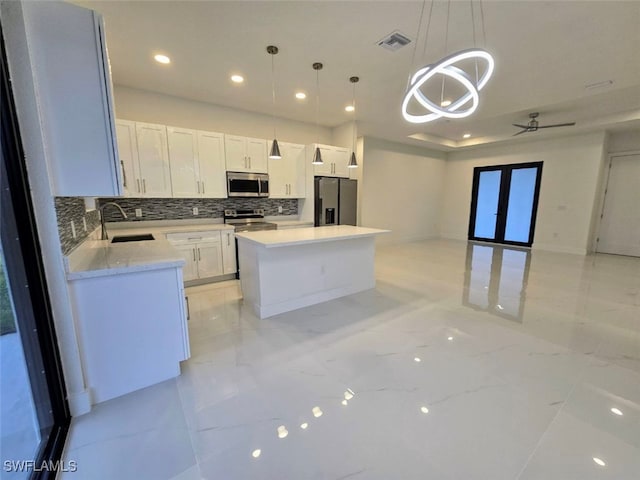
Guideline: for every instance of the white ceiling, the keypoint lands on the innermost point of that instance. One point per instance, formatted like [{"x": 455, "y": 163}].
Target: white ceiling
[{"x": 545, "y": 52}]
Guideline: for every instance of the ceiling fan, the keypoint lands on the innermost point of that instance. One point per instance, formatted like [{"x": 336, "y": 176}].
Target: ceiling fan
[{"x": 533, "y": 125}]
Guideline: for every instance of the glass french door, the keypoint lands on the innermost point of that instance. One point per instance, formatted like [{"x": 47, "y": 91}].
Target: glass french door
[{"x": 504, "y": 201}]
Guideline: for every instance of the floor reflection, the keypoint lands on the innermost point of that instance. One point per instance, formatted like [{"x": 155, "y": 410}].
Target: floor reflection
[{"x": 495, "y": 279}]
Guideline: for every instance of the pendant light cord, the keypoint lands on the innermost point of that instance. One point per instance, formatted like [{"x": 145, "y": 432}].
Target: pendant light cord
[
  {"x": 317, "y": 106},
  {"x": 426, "y": 37},
  {"x": 415, "y": 45},
  {"x": 473, "y": 29},
  {"x": 484, "y": 33},
  {"x": 273, "y": 95},
  {"x": 446, "y": 44},
  {"x": 355, "y": 112}
]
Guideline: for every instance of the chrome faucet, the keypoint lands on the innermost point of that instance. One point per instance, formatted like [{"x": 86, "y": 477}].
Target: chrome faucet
[{"x": 104, "y": 228}]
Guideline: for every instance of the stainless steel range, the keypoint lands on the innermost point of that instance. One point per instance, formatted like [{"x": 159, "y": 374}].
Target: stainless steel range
[{"x": 247, "y": 220}]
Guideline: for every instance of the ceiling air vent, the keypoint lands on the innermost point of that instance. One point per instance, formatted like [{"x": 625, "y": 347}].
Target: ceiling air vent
[{"x": 394, "y": 41}]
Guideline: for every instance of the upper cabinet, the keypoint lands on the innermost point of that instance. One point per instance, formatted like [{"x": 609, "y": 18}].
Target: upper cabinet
[
  {"x": 287, "y": 174},
  {"x": 153, "y": 160},
  {"x": 72, "y": 79},
  {"x": 244, "y": 154},
  {"x": 335, "y": 161},
  {"x": 211, "y": 164},
  {"x": 197, "y": 163}
]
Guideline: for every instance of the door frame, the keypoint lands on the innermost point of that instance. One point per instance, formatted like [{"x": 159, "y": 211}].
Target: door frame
[{"x": 503, "y": 202}]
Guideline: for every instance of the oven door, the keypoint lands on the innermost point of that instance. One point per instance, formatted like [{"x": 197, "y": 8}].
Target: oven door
[{"x": 243, "y": 184}]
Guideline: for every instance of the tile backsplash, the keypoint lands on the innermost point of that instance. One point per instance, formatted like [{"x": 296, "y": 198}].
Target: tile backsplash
[
  {"x": 72, "y": 209},
  {"x": 182, "y": 208}
]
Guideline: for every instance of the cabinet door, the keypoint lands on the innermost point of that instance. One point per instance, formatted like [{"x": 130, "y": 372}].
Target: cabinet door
[
  {"x": 209, "y": 257},
  {"x": 257, "y": 153},
  {"x": 189, "y": 253},
  {"x": 326, "y": 169},
  {"x": 228, "y": 252},
  {"x": 298, "y": 168},
  {"x": 183, "y": 160},
  {"x": 128, "y": 157},
  {"x": 279, "y": 173},
  {"x": 73, "y": 86},
  {"x": 340, "y": 162},
  {"x": 211, "y": 162},
  {"x": 235, "y": 149},
  {"x": 154, "y": 160}
]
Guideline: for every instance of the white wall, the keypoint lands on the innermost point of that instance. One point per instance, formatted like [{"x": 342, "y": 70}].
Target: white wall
[
  {"x": 627, "y": 141},
  {"x": 16, "y": 25},
  {"x": 401, "y": 189},
  {"x": 569, "y": 193},
  {"x": 144, "y": 106}
]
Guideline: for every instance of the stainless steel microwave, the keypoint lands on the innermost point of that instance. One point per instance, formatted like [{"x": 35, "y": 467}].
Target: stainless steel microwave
[{"x": 241, "y": 184}]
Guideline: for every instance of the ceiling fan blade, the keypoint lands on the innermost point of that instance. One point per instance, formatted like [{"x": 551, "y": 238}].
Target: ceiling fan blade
[
  {"x": 557, "y": 125},
  {"x": 521, "y": 131},
  {"x": 520, "y": 126}
]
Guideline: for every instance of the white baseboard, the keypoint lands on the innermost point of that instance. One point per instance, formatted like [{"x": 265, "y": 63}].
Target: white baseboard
[
  {"x": 79, "y": 403},
  {"x": 559, "y": 249}
]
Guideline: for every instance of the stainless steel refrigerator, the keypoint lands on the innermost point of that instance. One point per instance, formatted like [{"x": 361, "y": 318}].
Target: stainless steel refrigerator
[{"x": 335, "y": 201}]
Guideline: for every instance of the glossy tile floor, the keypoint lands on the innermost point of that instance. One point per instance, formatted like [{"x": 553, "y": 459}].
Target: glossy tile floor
[{"x": 466, "y": 362}]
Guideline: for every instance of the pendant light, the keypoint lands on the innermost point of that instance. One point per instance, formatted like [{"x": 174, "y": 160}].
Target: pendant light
[
  {"x": 449, "y": 67},
  {"x": 352, "y": 161},
  {"x": 274, "y": 153},
  {"x": 317, "y": 156}
]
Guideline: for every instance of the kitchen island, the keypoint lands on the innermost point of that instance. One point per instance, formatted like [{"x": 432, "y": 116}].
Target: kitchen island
[{"x": 283, "y": 270}]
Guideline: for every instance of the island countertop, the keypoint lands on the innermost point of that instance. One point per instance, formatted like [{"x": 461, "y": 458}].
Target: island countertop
[{"x": 300, "y": 236}]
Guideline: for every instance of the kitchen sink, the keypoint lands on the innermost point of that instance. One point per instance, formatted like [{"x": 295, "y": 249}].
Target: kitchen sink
[{"x": 132, "y": 238}]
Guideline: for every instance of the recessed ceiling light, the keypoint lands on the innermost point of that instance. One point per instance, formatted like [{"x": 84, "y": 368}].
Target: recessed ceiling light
[
  {"x": 256, "y": 453},
  {"x": 345, "y": 403},
  {"x": 349, "y": 108},
  {"x": 237, "y": 78},
  {"x": 316, "y": 412},
  {"x": 445, "y": 103},
  {"x": 466, "y": 135},
  {"x": 617, "y": 411},
  {"x": 304, "y": 426},
  {"x": 450, "y": 338},
  {"x": 282, "y": 431},
  {"x": 599, "y": 461},
  {"x": 162, "y": 59},
  {"x": 417, "y": 359},
  {"x": 301, "y": 95},
  {"x": 424, "y": 409}
]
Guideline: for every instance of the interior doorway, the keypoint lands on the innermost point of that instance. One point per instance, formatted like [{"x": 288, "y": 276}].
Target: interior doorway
[
  {"x": 620, "y": 225},
  {"x": 504, "y": 203}
]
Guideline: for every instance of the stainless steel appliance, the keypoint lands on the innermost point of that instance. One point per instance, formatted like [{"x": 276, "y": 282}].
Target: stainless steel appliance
[
  {"x": 241, "y": 184},
  {"x": 335, "y": 201},
  {"x": 247, "y": 220}
]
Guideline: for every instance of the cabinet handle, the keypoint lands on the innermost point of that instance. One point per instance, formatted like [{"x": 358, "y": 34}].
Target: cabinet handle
[
  {"x": 194, "y": 254},
  {"x": 144, "y": 185},
  {"x": 228, "y": 239},
  {"x": 199, "y": 254},
  {"x": 124, "y": 175},
  {"x": 249, "y": 163},
  {"x": 138, "y": 180},
  {"x": 203, "y": 187},
  {"x": 188, "y": 310},
  {"x": 246, "y": 162}
]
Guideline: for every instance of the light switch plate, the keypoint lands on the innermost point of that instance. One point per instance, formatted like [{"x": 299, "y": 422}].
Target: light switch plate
[
  {"x": 73, "y": 229},
  {"x": 84, "y": 223},
  {"x": 195, "y": 210},
  {"x": 138, "y": 212},
  {"x": 279, "y": 209}
]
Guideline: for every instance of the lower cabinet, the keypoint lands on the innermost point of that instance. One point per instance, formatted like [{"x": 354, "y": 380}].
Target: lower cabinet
[
  {"x": 132, "y": 329},
  {"x": 206, "y": 254}
]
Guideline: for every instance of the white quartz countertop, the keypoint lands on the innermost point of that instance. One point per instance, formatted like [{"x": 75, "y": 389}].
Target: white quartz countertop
[
  {"x": 97, "y": 258},
  {"x": 134, "y": 228},
  {"x": 291, "y": 223},
  {"x": 299, "y": 236}
]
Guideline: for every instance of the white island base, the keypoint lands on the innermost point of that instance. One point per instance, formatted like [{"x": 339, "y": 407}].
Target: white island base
[{"x": 283, "y": 270}]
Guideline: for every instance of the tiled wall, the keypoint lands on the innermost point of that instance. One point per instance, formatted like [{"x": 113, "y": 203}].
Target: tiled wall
[
  {"x": 70, "y": 209},
  {"x": 182, "y": 208}
]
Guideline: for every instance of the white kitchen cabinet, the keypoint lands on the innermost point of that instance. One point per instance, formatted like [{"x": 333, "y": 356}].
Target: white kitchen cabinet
[
  {"x": 188, "y": 253},
  {"x": 229, "y": 264},
  {"x": 287, "y": 175},
  {"x": 335, "y": 161},
  {"x": 154, "y": 174},
  {"x": 206, "y": 253},
  {"x": 72, "y": 81},
  {"x": 244, "y": 154},
  {"x": 132, "y": 329},
  {"x": 211, "y": 164},
  {"x": 183, "y": 162},
  {"x": 197, "y": 163},
  {"x": 128, "y": 156}
]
